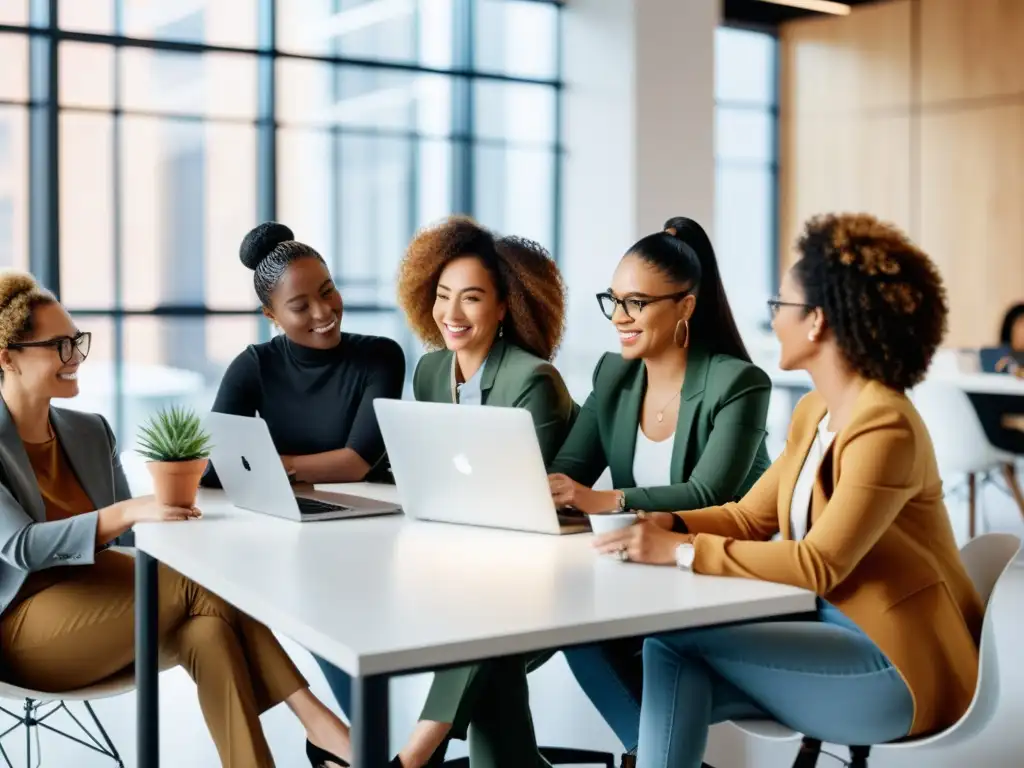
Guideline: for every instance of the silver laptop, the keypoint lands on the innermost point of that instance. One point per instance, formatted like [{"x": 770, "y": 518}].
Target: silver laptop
[
  {"x": 254, "y": 478},
  {"x": 473, "y": 465}
]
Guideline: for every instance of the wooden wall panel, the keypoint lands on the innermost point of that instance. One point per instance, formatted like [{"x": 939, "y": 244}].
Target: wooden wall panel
[
  {"x": 934, "y": 145},
  {"x": 971, "y": 49},
  {"x": 972, "y": 195},
  {"x": 850, "y": 164},
  {"x": 862, "y": 64}
]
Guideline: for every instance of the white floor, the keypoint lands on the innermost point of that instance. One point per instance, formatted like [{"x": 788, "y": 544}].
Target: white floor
[{"x": 562, "y": 715}]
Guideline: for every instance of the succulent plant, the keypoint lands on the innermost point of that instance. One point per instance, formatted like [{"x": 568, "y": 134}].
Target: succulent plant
[{"x": 174, "y": 434}]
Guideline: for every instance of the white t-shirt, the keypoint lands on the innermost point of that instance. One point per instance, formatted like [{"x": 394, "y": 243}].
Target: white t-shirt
[
  {"x": 800, "y": 509},
  {"x": 652, "y": 461}
]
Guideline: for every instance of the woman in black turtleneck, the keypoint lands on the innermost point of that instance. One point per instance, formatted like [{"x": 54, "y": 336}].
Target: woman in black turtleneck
[{"x": 313, "y": 384}]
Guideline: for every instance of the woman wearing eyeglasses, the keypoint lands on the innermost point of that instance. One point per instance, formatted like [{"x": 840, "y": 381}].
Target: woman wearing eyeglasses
[
  {"x": 678, "y": 416},
  {"x": 66, "y": 599},
  {"x": 857, "y": 498}
]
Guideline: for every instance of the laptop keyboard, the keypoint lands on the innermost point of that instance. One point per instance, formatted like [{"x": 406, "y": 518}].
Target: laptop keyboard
[{"x": 316, "y": 507}]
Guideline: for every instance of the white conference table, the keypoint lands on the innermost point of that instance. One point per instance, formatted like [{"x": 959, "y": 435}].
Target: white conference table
[{"x": 387, "y": 596}]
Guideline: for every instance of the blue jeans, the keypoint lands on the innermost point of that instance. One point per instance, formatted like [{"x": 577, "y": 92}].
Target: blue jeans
[
  {"x": 823, "y": 678},
  {"x": 340, "y": 684}
]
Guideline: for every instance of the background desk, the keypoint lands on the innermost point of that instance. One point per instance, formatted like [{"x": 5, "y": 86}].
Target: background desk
[
  {"x": 384, "y": 596},
  {"x": 798, "y": 383}
]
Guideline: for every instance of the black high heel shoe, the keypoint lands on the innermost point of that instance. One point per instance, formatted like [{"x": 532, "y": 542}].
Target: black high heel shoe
[{"x": 321, "y": 758}]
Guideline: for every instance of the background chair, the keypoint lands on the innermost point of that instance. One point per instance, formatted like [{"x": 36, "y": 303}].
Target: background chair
[
  {"x": 40, "y": 707},
  {"x": 961, "y": 445},
  {"x": 992, "y": 561}
]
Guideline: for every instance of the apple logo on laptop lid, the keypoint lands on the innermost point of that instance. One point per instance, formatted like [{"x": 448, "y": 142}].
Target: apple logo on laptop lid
[{"x": 462, "y": 464}]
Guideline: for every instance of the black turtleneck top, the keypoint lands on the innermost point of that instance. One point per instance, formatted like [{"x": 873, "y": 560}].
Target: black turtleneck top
[{"x": 315, "y": 400}]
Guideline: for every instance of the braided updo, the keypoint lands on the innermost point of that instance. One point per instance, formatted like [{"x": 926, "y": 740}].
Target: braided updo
[
  {"x": 20, "y": 293},
  {"x": 269, "y": 250},
  {"x": 881, "y": 295}
]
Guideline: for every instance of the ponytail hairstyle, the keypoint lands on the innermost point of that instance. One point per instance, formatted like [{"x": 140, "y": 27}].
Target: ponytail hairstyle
[{"x": 683, "y": 253}]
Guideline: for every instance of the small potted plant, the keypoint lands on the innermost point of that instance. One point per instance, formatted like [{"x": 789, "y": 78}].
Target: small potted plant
[{"x": 177, "y": 450}]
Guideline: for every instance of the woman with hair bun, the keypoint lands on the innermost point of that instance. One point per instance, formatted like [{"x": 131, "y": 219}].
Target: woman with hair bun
[{"x": 313, "y": 384}]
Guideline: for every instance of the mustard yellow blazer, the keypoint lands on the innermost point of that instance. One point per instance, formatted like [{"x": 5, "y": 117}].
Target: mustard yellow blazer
[{"x": 880, "y": 546}]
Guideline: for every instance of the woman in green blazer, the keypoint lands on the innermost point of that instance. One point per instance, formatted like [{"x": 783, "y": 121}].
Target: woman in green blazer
[
  {"x": 678, "y": 416},
  {"x": 495, "y": 309}
]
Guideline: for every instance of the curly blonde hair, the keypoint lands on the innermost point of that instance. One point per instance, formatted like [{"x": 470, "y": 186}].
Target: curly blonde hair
[
  {"x": 525, "y": 276},
  {"x": 20, "y": 293},
  {"x": 882, "y": 296}
]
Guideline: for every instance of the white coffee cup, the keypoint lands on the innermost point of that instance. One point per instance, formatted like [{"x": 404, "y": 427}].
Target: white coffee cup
[{"x": 608, "y": 522}]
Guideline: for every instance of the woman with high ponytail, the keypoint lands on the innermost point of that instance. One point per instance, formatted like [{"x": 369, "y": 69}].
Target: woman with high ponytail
[{"x": 678, "y": 416}]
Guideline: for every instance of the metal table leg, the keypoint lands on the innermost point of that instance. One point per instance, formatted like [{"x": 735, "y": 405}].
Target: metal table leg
[
  {"x": 370, "y": 722},
  {"x": 147, "y": 668}
]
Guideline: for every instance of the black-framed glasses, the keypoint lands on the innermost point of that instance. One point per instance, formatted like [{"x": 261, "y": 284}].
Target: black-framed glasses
[
  {"x": 65, "y": 346},
  {"x": 774, "y": 305},
  {"x": 633, "y": 304}
]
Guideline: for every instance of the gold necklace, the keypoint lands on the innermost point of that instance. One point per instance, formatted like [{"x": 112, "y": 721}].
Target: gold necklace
[{"x": 660, "y": 415}]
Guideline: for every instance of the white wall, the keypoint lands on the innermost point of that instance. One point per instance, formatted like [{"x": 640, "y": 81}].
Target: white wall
[{"x": 639, "y": 138}]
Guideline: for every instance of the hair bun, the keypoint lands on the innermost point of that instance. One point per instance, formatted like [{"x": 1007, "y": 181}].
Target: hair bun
[
  {"x": 677, "y": 226},
  {"x": 261, "y": 241},
  {"x": 13, "y": 283}
]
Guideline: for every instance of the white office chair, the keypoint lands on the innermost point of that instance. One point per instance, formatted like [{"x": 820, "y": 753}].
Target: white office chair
[
  {"x": 961, "y": 445},
  {"x": 995, "y": 565},
  {"x": 41, "y": 706}
]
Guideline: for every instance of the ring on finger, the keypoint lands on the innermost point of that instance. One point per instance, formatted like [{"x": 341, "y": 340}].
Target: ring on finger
[{"x": 623, "y": 554}]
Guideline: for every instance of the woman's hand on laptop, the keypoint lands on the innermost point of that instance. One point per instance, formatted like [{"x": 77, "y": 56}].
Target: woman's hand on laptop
[{"x": 566, "y": 492}]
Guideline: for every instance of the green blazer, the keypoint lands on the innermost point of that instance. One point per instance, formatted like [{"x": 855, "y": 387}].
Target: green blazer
[
  {"x": 513, "y": 378},
  {"x": 719, "y": 444}
]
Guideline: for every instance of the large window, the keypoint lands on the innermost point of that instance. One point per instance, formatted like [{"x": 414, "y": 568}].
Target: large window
[
  {"x": 746, "y": 159},
  {"x": 141, "y": 139}
]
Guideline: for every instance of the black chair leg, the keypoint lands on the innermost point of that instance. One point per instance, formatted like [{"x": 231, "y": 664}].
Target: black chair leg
[
  {"x": 859, "y": 756},
  {"x": 558, "y": 756},
  {"x": 807, "y": 757}
]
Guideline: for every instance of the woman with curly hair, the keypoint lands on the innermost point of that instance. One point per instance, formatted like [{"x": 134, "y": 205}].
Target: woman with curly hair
[
  {"x": 493, "y": 312},
  {"x": 857, "y": 498}
]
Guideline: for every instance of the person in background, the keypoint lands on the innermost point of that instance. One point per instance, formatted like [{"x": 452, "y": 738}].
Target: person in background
[
  {"x": 493, "y": 311},
  {"x": 313, "y": 384},
  {"x": 67, "y": 599},
  {"x": 678, "y": 416},
  {"x": 1011, "y": 334},
  {"x": 1001, "y": 415},
  {"x": 857, "y": 498}
]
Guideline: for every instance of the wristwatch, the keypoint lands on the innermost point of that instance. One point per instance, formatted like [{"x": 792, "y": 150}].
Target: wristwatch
[{"x": 684, "y": 556}]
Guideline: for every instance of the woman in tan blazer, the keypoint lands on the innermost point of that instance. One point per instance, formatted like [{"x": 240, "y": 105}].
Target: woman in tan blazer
[{"x": 857, "y": 498}]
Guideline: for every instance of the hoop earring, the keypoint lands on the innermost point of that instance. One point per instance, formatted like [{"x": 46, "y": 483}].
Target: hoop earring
[{"x": 681, "y": 336}]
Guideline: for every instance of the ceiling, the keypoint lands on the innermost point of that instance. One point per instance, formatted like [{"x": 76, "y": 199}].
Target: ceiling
[{"x": 758, "y": 13}]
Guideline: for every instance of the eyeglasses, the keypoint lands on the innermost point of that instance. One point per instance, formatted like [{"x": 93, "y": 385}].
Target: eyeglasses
[
  {"x": 609, "y": 302},
  {"x": 774, "y": 305},
  {"x": 66, "y": 346}
]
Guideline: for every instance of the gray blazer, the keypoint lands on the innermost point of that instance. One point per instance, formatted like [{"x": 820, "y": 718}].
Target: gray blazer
[{"x": 29, "y": 543}]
